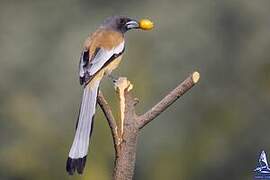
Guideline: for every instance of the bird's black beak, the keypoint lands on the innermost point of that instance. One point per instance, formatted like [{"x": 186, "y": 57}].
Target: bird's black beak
[{"x": 132, "y": 24}]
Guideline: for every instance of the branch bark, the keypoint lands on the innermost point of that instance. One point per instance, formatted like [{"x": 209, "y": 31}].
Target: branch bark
[
  {"x": 110, "y": 118},
  {"x": 125, "y": 149},
  {"x": 125, "y": 160},
  {"x": 170, "y": 98}
]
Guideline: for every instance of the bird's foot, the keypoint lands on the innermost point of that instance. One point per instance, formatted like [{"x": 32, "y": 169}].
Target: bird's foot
[
  {"x": 113, "y": 78},
  {"x": 121, "y": 84}
]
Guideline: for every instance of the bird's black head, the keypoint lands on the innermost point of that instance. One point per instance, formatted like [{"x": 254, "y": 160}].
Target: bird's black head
[{"x": 120, "y": 23}]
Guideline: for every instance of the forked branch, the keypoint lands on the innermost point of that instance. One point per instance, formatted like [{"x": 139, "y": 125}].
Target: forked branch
[{"x": 125, "y": 140}]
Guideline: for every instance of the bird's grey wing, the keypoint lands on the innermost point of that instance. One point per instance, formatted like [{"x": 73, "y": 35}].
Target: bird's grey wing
[{"x": 89, "y": 67}]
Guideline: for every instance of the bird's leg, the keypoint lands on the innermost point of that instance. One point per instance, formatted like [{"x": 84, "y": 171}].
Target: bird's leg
[{"x": 113, "y": 78}]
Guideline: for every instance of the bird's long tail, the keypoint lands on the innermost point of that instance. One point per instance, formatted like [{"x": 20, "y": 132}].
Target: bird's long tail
[{"x": 78, "y": 152}]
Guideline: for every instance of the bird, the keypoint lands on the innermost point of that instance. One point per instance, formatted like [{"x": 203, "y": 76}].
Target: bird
[{"x": 101, "y": 54}]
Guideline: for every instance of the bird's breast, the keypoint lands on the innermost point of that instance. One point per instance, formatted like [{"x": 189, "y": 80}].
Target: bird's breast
[
  {"x": 113, "y": 65},
  {"x": 106, "y": 70}
]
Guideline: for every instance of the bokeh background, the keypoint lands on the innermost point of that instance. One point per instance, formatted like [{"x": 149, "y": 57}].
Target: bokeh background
[{"x": 216, "y": 131}]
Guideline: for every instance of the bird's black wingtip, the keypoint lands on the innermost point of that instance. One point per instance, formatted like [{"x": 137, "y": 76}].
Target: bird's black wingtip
[{"x": 75, "y": 165}]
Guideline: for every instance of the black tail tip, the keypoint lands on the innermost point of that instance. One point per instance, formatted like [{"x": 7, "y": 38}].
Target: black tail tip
[{"x": 75, "y": 165}]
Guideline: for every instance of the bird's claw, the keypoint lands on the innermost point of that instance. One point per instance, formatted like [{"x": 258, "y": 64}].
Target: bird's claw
[{"x": 114, "y": 79}]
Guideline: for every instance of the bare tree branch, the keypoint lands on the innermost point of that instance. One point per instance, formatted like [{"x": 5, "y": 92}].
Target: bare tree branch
[
  {"x": 125, "y": 141},
  {"x": 170, "y": 98},
  {"x": 110, "y": 118}
]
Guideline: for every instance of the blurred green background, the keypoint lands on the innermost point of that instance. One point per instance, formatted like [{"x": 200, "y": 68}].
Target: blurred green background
[{"x": 216, "y": 131}]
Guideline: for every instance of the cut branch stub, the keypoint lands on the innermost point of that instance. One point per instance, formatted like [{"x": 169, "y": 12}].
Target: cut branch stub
[
  {"x": 122, "y": 85},
  {"x": 195, "y": 77}
]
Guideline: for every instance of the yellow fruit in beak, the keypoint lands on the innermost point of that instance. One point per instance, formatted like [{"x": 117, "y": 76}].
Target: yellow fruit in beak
[{"x": 146, "y": 24}]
